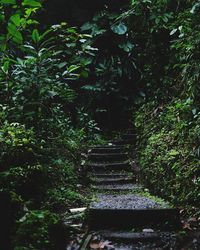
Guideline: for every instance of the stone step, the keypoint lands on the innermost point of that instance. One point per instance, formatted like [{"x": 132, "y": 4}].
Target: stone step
[
  {"x": 130, "y": 211},
  {"x": 127, "y": 240},
  {"x": 118, "y": 187},
  {"x": 122, "y": 142},
  {"x": 102, "y": 157},
  {"x": 109, "y": 166},
  {"x": 108, "y": 146},
  {"x": 112, "y": 180},
  {"x": 108, "y": 150},
  {"x": 128, "y": 236},
  {"x": 112, "y": 174}
]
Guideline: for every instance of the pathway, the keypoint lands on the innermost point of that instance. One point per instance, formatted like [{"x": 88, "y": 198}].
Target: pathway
[{"x": 123, "y": 215}]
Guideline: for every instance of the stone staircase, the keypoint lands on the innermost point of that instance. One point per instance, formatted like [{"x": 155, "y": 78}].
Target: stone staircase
[{"x": 122, "y": 213}]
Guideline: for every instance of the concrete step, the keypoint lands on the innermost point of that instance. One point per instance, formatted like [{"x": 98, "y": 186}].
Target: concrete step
[
  {"x": 109, "y": 145},
  {"x": 103, "y": 157},
  {"x": 128, "y": 236},
  {"x": 113, "y": 174},
  {"x": 112, "y": 180},
  {"x": 118, "y": 187},
  {"x": 123, "y": 142},
  {"x": 130, "y": 211},
  {"x": 104, "y": 150},
  {"x": 109, "y": 166},
  {"x": 127, "y": 240}
]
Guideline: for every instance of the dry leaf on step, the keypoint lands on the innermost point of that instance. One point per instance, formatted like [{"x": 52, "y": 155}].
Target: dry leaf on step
[{"x": 101, "y": 245}]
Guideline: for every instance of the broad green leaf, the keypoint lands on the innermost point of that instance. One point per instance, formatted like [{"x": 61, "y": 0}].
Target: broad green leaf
[
  {"x": 2, "y": 17},
  {"x": 73, "y": 68},
  {"x": 87, "y": 26},
  {"x": 8, "y": 1},
  {"x": 16, "y": 19},
  {"x": 119, "y": 28},
  {"x": 15, "y": 33},
  {"x": 35, "y": 36},
  {"x": 5, "y": 66},
  {"x": 62, "y": 65},
  {"x": 31, "y": 3},
  {"x": 84, "y": 74},
  {"x": 127, "y": 46}
]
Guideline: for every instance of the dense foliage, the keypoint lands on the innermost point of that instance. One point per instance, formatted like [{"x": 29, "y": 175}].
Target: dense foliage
[
  {"x": 43, "y": 126},
  {"x": 57, "y": 81},
  {"x": 167, "y": 120}
]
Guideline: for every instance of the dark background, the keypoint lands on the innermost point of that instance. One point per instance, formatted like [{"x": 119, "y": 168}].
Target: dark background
[{"x": 76, "y": 12}]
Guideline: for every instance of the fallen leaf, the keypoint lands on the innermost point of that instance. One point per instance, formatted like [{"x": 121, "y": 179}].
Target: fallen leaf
[
  {"x": 94, "y": 245},
  {"x": 187, "y": 226}
]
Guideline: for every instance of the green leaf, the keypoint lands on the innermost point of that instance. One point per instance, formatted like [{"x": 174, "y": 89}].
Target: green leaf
[
  {"x": 32, "y": 3},
  {"x": 173, "y": 32},
  {"x": 73, "y": 68},
  {"x": 62, "y": 65},
  {"x": 46, "y": 33},
  {"x": 2, "y": 17},
  {"x": 8, "y": 1},
  {"x": 84, "y": 74},
  {"x": 35, "y": 36},
  {"x": 14, "y": 33},
  {"x": 6, "y": 66},
  {"x": 16, "y": 19},
  {"x": 91, "y": 88},
  {"x": 173, "y": 152},
  {"x": 127, "y": 46},
  {"x": 87, "y": 26},
  {"x": 119, "y": 28}
]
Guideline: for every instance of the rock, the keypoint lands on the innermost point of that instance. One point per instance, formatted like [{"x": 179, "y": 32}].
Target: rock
[
  {"x": 78, "y": 210},
  {"x": 148, "y": 230}
]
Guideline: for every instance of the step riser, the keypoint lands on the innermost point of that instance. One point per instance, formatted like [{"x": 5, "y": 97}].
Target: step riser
[
  {"x": 128, "y": 219},
  {"x": 114, "y": 175},
  {"x": 100, "y": 169},
  {"x": 123, "y": 142},
  {"x": 111, "y": 146},
  {"x": 113, "y": 182},
  {"x": 108, "y": 150},
  {"x": 110, "y": 158},
  {"x": 116, "y": 190},
  {"x": 131, "y": 237}
]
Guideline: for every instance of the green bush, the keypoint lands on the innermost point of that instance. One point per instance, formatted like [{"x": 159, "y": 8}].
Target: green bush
[
  {"x": 17, "y": 144},
  {"x": 29, "y": 181},
  {"x": 168, "y": 145},
  {"x": 33, "y": 230}
]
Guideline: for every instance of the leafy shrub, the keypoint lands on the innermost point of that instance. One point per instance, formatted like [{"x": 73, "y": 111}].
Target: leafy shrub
[
  {"x": 168, "y": 144},
  {"x": 60, "y": 198},
  {"x": 29, "y": 181},
  {"x": 33, "y": 230},
  {"x": 17, "y": 144}
]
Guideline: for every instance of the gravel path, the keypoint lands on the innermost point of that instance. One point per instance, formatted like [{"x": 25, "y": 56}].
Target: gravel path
[
  {"x": 130, "y": 187},
  {"x": 129, "y": 201}
]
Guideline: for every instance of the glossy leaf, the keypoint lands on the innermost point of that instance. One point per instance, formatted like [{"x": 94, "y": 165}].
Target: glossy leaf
[
  {"x": 8, "y": 2},
  {"x": 35, "y": 36},
  {"x": 31, "y": 3},
  {"x": 119, "y": 29},
  {"x": 14, "y": 33}
]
